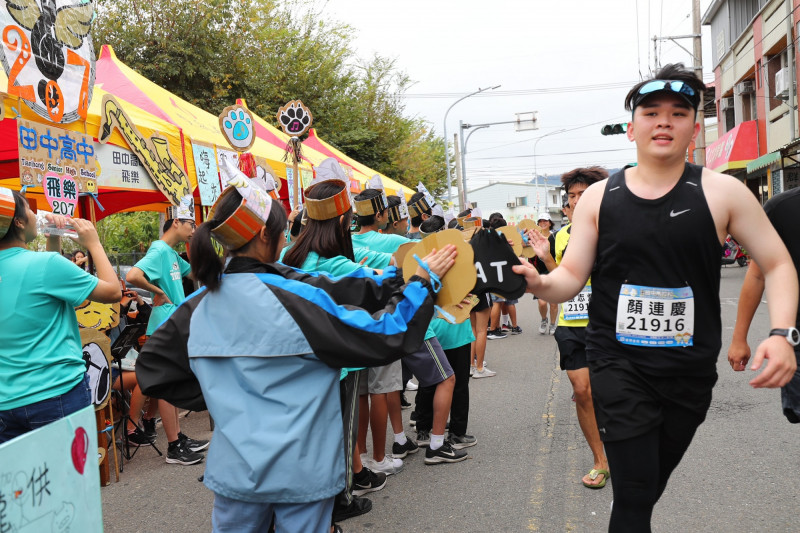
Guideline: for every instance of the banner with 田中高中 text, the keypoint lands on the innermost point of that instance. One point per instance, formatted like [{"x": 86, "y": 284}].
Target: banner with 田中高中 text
[{"x": 44, "y": 148}]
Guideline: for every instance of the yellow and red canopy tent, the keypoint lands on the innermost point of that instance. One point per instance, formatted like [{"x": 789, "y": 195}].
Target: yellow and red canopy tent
[
  {"x": 117, "y": 78},
  {"x": 358, "y": 169},
  {"x": 153, "y": 109},
  {"x": 113, "y": 199}
]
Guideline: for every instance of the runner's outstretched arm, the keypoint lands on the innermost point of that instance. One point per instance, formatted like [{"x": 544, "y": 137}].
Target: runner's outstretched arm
[
  {"x": 749, "y": 298},
  {"x": 572, "y": 274},
  {"x": 749, "y": 225}
]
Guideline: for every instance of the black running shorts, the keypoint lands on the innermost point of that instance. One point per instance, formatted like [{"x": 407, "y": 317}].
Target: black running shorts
[
  {"x": 629, "y": 403},
  {"x": 572, "y": 347}
]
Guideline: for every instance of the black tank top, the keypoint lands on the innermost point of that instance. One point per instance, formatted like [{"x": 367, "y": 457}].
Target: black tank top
[{"x": 669, "y": 242}]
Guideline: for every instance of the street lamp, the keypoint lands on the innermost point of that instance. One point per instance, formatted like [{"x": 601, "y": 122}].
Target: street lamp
[
  {"x": 535, "y": 173},
  {"x": 464, "y": 142},
  {"x": 446, "y": 151}
]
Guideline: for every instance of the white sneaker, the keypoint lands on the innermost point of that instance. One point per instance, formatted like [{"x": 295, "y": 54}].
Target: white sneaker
[
  {"x": 485, "y": 373},
  {"x": 410, "y": 385},
  {"x": 390, "y": 465},
  {"x": 552, "y": 329},
  {"x": 543, "y": 327},
  {"x": 366, "y": 461},
  {"x": 471, "y": 370}
]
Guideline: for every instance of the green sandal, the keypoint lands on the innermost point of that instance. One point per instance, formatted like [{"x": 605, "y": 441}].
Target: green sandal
[{"x": 593, "y": 473}]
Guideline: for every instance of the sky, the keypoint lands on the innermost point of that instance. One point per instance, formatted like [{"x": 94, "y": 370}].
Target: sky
[{"x": 572, "y": 61}]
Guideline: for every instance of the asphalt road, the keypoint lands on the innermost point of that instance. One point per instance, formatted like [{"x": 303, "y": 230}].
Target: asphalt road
[{"x": 740, "y": 474}]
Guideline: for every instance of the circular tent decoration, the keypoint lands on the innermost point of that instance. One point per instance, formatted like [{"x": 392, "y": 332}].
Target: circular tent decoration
[
  {"x": 238, "y": 126},
  {"x": 48, "y": 56},
  {"x": 294, "y": 118}
]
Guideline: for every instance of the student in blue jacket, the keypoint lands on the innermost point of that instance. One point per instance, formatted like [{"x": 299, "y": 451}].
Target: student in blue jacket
[{"x": 262, "y": 346}]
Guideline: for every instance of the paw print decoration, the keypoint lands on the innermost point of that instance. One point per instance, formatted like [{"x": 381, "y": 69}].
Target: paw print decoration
[
  {"x": 294, "y": 118},
  {"x": 238, "y": 127}
]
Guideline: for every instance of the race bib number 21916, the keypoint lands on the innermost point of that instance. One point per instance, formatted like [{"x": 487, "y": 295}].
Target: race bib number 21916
[{"x": 655, "y": 316}]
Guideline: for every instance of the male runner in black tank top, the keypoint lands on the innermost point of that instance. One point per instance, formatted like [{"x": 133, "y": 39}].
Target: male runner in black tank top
[{"x": 651, "y": 237}]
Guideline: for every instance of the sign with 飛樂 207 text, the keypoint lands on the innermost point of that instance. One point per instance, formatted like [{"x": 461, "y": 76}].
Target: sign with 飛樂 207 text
[{"x": 46, "y": 149}]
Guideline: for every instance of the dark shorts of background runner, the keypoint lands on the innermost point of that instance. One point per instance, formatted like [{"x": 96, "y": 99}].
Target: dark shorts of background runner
[
  {"x": 429, "y": 363},
  {"x": 790, "y": 395},
  {"x": 484, "y": 301},
  {"x": 500, "y": 300},
  {"x": 572, "y": 347},
  {"x": 629, "y": 403}
]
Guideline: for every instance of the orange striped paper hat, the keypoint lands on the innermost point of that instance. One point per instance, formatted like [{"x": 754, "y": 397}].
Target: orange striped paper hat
[
  {"x": 248, "y": 219},
  {"x": 334, "y": 206}
]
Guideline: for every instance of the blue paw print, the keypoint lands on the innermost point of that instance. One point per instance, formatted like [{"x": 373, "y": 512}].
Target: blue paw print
[{"x": 237, "y": 126}]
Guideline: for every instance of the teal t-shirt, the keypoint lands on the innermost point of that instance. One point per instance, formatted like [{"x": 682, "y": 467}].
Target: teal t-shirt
[
  {"x": 165, "y": 269},
  {"x": 452, "y": 335},
  {"x": 378, "y": 260},
  {"x": 379, "y": 242},
  {"x": 41, "y": 355},
  {"x": 374, "y": 260},
  {"x": 335, "y": 266}
]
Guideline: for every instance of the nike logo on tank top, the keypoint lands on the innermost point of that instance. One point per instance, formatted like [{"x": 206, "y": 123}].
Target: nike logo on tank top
[{"x": 655, "y": 284}]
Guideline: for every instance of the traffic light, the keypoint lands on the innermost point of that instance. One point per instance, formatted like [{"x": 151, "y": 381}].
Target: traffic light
[{"x": 614, "y": 129}]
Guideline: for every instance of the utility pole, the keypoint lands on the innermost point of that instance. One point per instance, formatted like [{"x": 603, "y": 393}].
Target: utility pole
[
  {"x": 791, "y": 65},
  {"x": 700, "y": 142},
  {"x": 446, "y": 150},
  {"x": 697, "y": 62},
  {"x": 462, "y": 194}
]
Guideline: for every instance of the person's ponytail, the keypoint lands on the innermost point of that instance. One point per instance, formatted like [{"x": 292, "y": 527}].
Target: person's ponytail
[{"x": 206, "y": 263}]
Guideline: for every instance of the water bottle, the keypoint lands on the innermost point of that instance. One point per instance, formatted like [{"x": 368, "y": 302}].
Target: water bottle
[{"x": 47, "y": 229}]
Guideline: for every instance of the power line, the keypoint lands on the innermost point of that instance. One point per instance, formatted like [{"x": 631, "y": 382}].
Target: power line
[
  {"x": 560, "y": 153},
  {"x": 578, "y": 127}
]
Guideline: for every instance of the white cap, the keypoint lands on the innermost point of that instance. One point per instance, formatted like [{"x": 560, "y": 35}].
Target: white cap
[
  {"x": 403, "y": 207},
  {"x": 329, "y": 169},
  {"x": 182, "y": 211},
  {"x": 544, "y": 215}
]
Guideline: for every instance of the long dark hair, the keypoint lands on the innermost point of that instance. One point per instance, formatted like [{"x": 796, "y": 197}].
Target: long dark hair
[
  {"x": 206, "y": 264},
  {"x": 20, "y": 212},
  {"x": 326, "y": 238}
]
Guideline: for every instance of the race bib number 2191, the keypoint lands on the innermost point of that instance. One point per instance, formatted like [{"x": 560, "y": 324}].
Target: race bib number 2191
[{"x": 655, "y": 316}]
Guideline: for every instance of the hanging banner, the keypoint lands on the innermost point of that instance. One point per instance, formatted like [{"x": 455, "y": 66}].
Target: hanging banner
[
  {"x": 44, "y": 148},
  {"x": 49, "y": 478},
  {"x": 205, "y": 162},
  {"x": 120, "y": 168},
  {"x": 153, "y": 153},
  {"x": 48, "y": 56},
  {"x": 307, "y": 176},
  {"x": 222, "y": 155},
  {"x": 290, "y": 186}
]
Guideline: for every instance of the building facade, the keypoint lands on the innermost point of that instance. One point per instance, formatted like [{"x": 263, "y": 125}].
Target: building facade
[
  {"x": 755, "y": 80},
  {"x": 518, "y": 201}
]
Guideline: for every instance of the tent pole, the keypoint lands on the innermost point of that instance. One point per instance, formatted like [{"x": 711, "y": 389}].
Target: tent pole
[{"x": 295, "y": 184}]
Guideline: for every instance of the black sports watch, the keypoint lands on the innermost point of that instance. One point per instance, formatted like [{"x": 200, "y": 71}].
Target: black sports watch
[{"x": 791, "y": 335}]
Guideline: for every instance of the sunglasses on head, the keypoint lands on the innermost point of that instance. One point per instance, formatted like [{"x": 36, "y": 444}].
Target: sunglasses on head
[{"x": 674, "y": 86}]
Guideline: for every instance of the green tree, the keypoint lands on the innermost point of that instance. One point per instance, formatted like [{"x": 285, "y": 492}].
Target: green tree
[
  {"x": 124, "y": 234},
  {"x": 210, "y": 52}
]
